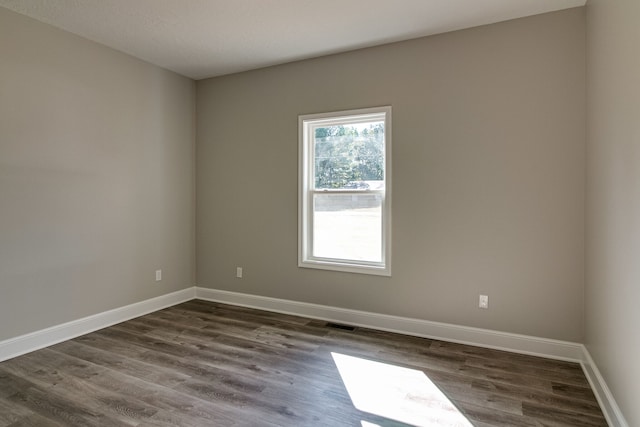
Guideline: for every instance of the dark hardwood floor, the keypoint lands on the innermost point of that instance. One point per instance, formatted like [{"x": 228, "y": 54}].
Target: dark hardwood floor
[{"x": 209, "y": 364}]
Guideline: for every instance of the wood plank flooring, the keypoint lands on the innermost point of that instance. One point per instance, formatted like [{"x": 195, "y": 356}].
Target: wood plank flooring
[{"x": 208, "y": 364}]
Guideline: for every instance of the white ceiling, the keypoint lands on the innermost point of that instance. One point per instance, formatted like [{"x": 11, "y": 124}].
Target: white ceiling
[{"x": 206, "y": 38}]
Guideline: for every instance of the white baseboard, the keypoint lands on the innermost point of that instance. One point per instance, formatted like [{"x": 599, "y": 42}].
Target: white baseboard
[
  {"x": 36, "y": 340},
  {"x": 555, "y": 349},
  {"x": 607, "y": 403}
]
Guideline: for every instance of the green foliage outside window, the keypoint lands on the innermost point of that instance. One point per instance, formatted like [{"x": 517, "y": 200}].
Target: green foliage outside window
[{"x": 345, "y": 156}]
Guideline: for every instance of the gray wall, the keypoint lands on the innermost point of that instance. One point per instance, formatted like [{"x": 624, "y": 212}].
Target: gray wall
[
  {"x": 96, "y": 178},
  {"x": 613, "y": 198},
  {"x": 488, "y": 176}
]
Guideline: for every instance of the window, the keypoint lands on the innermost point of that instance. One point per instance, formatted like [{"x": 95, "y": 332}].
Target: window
[{"x": 345, "y": 189}]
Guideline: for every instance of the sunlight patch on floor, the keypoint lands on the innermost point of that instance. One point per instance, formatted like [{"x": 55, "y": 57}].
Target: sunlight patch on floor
[{"x": 397, "y": 393}]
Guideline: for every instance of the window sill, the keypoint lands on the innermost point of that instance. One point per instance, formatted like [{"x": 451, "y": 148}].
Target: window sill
[{"x": 345, "y": 267}]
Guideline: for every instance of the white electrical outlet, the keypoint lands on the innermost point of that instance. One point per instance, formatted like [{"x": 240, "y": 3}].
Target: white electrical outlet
[
  {"x": 239, "y": 272},
  {"x": 483, "y": 302},
  {"x": 158, "y": 275}
]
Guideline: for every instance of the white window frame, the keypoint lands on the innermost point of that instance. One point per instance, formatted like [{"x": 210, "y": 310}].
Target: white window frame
[{"x": 306, "y": 182}]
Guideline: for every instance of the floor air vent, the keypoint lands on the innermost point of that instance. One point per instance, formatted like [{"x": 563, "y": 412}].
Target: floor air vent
[{"x": 339, "y": 326}]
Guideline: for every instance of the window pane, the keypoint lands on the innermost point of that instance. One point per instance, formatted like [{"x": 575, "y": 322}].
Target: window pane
[
  {"x": 346, "y": 156},
  {"x": 348, "y": 226}
]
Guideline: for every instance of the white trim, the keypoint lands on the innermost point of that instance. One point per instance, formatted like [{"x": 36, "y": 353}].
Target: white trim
[
  {"x": 22, "y": 344},
  {"x": 554, "y": 349},
  {"x": 607, "y": 403}
]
